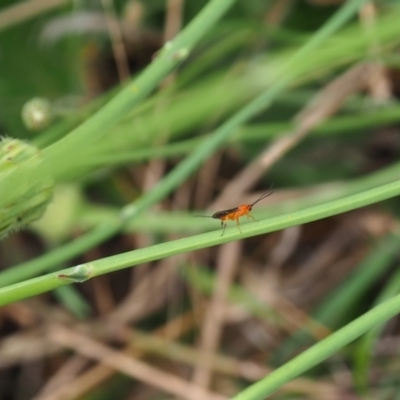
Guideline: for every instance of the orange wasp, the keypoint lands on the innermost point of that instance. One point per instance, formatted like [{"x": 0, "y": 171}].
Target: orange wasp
[{"x": 234, "y": 214}]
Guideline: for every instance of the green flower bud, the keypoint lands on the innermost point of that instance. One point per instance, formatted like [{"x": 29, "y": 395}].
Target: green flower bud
[{"x": 32, "y": 199}]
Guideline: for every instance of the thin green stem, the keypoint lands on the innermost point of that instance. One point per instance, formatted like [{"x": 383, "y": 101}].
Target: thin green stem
[
  {"x": 170, "y": 56},
  {"x": 321, "y": 351},
  {"x": 249, "y": 133},
  {"x": 365, "y": 347},
  {"x": 83, "y": 272},
  {"x": 58, "y": 256}
]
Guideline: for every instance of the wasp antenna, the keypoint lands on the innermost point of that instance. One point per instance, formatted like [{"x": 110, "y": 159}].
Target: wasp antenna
[
  {"x": 205, "y": 216},
  {"x": 263, "y": 196}
]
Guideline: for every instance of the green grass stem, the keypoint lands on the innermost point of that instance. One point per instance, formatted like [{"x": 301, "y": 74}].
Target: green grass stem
[
  {"x": 170, "y": 56},
  {"x": 82, "y": 272},
  {"x": 321, "y": 351},
  {"x": 364, "y": 348}
]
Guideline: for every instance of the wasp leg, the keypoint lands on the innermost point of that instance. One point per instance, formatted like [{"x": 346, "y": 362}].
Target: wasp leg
[
  {"x": 238, "y": 225},
  {"x": 223, "y": 227},
  {"x": 250, "y": 216}
]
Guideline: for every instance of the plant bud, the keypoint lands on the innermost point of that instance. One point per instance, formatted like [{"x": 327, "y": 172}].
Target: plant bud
[
  {"x": 37, "y": 113},
  {"x": 32, "y": 198}
]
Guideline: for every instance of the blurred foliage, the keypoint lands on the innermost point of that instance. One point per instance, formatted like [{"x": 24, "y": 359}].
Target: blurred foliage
[{"x": 336, "y": 271}]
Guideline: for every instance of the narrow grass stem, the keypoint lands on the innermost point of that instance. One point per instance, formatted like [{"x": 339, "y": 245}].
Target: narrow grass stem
[
  {"x": 51, "y": 281},
  {"x": 321, "y": 350}
]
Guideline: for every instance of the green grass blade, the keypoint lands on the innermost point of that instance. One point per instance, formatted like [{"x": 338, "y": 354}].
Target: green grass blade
[
  {"x": 83, "y": 272},
  {"x": 321, "y": 351},
  {"x": 338, "y": 307},
  {"x": 364, "y": 349},
  {"x": 172, "y": 54}
]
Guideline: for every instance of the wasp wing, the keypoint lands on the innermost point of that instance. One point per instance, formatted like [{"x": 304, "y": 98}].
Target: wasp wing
[{"x": 220, "y": 214}]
